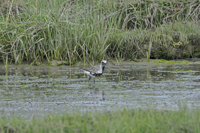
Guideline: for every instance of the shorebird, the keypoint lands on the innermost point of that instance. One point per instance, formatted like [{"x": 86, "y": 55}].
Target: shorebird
[{"x": 95, "y": 71}]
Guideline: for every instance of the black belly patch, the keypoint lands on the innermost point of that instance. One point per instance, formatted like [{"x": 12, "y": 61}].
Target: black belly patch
[{"x": 97, "y": 74}]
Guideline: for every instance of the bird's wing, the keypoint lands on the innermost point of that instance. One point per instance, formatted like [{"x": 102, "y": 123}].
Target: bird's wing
[{"x": 94, "y": 69}]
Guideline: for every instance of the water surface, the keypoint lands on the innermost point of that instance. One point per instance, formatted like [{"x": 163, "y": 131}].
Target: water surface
[{"x": 41, "y": 90}]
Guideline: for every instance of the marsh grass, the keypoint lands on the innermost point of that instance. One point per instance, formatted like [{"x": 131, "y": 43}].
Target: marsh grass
[
  {"x": 90, "y": 30},
  {"x": 138, "y": 120}
]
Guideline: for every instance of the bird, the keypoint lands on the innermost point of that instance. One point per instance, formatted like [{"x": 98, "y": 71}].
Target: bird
[{"x": 95, "y": 71}]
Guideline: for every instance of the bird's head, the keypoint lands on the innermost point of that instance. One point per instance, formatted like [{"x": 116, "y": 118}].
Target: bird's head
[{"x": 103, "y": 62}]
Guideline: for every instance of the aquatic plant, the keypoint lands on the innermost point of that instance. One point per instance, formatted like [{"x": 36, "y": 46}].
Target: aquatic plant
[{"x": 170, "y": 61}]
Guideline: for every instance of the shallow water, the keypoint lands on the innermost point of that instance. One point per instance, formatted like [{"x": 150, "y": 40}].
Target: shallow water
[{"x": 41, "y": 90}]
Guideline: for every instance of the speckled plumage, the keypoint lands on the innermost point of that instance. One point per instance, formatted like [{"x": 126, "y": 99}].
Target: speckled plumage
[{"x": 95, "y": 71}]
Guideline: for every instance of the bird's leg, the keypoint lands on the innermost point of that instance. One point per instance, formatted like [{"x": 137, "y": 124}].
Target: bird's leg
[
  {"x": 94, "y": 80},
  {"x": 89, "y": 77}
]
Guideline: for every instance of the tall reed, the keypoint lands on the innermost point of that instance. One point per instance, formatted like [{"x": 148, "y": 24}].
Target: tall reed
[{"x": 75, "y": 30}]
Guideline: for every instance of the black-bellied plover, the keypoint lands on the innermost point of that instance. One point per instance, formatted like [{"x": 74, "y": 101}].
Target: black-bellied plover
[{"x": 95, "y": 71}]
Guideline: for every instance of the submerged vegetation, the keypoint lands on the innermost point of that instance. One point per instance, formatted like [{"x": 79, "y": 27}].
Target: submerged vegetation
[
  {"x": 171, "y": 61},
  {"x": 72, "y": 30},
  {"x": 134, "y": 121}
]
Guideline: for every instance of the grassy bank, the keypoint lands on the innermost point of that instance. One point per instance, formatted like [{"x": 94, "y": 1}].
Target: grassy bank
[
  {"x": 135, "y": 121},
  {"x": 72, "y": 30}
]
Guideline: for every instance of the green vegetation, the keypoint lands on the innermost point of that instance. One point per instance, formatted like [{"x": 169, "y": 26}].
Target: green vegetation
[
  {"x": 130, "y": 121},
  {"x": 170, "y": 61},
  {"x": 72, "y": 30}
]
